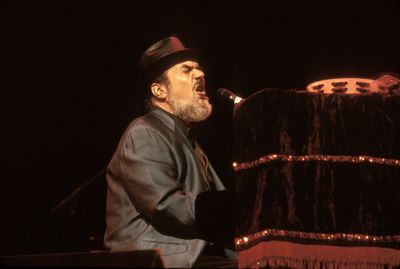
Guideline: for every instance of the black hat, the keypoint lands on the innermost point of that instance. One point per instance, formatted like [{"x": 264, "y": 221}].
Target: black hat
[{"x": 164, "y": 54}]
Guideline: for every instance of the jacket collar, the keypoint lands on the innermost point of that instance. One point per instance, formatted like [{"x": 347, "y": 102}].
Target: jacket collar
[{"x": 172, "y": 121}]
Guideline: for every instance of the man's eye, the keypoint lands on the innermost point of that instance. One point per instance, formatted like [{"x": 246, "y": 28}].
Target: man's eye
[{"x": 186, "y": 69}]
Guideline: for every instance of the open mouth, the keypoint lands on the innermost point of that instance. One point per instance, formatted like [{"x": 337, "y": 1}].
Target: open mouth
[
  {"x": 200, "y": 87},
  {"x": 201, "y": 91}
]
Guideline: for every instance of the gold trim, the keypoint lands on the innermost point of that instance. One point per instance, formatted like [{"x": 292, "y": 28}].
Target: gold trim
[
  {"x": 312, "y": 158},
  {"x": 328, "y": 237}
]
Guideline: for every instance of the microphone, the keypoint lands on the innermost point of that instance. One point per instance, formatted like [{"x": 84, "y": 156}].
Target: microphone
[{"x": 227, "y": 94}]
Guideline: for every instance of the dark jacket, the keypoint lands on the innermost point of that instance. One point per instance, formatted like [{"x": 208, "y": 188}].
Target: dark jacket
[{"x": 153, "y": 180}]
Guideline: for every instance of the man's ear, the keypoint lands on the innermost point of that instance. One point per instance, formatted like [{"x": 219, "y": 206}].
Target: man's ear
[{"x": 159, "y": 91}]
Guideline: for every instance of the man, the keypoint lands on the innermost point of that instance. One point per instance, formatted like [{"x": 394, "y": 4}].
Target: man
[{"x": 159, "y": 172}]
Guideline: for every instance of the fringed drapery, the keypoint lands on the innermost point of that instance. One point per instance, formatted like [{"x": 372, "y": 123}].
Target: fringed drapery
[
  {"x": 286, "y": 254},
  {"x": 318, "y": 196}
]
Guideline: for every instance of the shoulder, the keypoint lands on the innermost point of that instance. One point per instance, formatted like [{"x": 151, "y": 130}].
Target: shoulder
[
  {"x": 151, "y": 125},
  {"x": 151, "y": 121}
]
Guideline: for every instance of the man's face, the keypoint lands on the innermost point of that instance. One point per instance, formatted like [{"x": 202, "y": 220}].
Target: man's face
[{"x": 187, "y": 92}]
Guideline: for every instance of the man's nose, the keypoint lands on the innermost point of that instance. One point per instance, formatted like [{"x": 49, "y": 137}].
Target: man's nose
[{"x": 198, "y": 74}]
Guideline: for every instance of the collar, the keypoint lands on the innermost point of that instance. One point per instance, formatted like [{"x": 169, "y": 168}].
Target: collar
[{"x": 180, "y": 124}]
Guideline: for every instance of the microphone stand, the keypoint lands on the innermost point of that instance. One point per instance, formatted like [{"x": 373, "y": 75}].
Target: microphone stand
[{"x": 72, "y": 209}]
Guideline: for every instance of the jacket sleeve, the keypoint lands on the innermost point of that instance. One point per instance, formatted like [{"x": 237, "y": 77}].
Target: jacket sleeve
[{"x": 149, "y": 177}]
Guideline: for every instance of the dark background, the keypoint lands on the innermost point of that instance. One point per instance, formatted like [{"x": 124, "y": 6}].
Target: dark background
[{"x": 70, "y": 86}]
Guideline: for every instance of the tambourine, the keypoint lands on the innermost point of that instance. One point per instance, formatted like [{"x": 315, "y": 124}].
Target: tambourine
[{"x": 348, "y": 86}]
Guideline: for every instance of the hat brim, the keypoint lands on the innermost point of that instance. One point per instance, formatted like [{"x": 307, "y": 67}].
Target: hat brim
[{"x": 163, "y": 64}]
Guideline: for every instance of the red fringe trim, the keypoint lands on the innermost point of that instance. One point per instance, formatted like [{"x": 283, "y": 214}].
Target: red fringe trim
[{"x": 301, "y": 256}]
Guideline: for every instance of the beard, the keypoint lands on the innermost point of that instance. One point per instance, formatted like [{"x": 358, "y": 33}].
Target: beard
[{"x": 194, "y": 110}]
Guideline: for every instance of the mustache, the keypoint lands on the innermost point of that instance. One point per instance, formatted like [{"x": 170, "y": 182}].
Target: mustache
[{"x": 200, "y": 84}]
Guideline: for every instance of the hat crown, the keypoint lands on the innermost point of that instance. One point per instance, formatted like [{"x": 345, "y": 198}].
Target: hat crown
[
  {"x": 164, "y": 54},
  {"x": 161, "y": 49}
]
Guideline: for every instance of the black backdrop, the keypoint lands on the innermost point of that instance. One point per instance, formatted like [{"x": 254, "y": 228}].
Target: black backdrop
[{"x": 70, "y": 86}]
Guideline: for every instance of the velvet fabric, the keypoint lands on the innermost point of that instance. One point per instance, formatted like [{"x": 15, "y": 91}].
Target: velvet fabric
[{"x": 314, "y": 196}]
